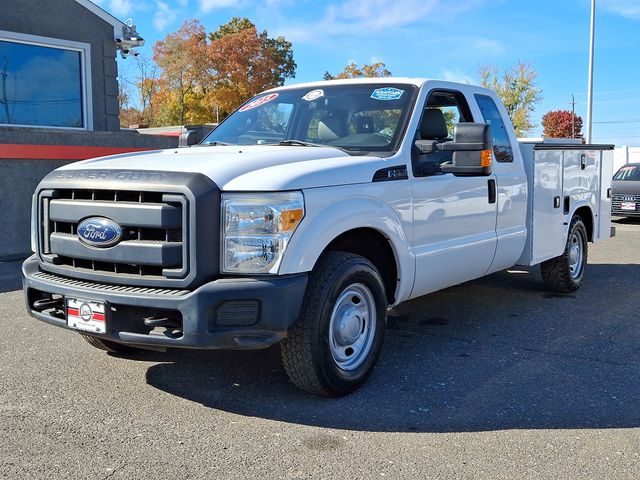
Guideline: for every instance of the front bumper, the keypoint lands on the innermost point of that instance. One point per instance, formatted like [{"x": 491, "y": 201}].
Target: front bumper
[
  {"x": 228, "y": 313},
  {"x": 625, "y": 213}
]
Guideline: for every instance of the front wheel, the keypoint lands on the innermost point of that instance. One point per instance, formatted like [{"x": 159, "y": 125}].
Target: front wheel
[
  {"x": 565, "y": 273},
  {"x": 336, "y": 342}
]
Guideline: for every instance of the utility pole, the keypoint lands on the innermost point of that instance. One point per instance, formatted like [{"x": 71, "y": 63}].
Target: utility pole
[
  {"x": 591, "y": 55},
  {"x": 573, "y": 116}
]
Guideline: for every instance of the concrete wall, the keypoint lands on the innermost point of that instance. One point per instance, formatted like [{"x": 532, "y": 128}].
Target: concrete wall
[
  {"x": 19, "y": 176},
  {"x": 68, "y": 20}
]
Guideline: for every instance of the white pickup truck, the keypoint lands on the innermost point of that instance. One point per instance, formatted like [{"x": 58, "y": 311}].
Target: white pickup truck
[{"x": 304, "y": 217}]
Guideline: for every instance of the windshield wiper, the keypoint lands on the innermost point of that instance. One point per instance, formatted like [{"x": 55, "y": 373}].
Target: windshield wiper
[
  {"x": 300, "y": 143},
  {"x": 215, "y": 143}
]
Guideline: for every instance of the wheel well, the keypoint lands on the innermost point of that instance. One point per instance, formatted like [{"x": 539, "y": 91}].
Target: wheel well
[
  {"x": 375, "y": 247},
  {"x": 587, "y": 219}
]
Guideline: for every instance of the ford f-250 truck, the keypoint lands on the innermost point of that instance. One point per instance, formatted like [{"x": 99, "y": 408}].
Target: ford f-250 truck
[{"x": 304, "y": 217}]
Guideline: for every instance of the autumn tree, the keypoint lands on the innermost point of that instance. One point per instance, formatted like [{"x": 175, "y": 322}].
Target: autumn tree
[
  {"x": 182, "y": 58},
  {"x": 203, "y": 72},
  {"x": 147, "y": 86},
  {"x": 561, "y": 124},
  {"x": 245, "y": 62},
  {"x": 517, "y": 88},
  {"x": 378, "y": 69}
]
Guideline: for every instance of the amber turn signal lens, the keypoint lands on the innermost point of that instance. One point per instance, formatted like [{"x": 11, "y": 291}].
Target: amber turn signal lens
[
  {"x": 290, "y": 218},
  {"x": 485, "y": 158}
]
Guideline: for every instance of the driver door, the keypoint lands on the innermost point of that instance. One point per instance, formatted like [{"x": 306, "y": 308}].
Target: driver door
[{"x": 454, "y": 217}]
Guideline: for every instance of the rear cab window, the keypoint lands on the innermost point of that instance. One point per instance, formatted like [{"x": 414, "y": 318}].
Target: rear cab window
[{"x": 491, "y": 115}]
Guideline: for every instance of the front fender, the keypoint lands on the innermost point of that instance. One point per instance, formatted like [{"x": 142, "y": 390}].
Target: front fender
[{"x": 331, "y": 212}]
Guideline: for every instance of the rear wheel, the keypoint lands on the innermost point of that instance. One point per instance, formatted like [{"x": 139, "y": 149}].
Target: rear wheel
[
  {"x": 109, "y": 345},
  {"x": 335, "y": 344},
  {"x": 565, "y": 273}
]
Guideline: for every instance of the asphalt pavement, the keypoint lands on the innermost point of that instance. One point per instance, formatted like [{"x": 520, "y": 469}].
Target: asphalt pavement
[{"x": 495, "y": 378}]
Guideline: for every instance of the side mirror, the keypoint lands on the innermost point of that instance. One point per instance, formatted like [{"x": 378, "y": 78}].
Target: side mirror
[
  {"x": 188, "y": 138},
  {"x": 472, "y": 148}
]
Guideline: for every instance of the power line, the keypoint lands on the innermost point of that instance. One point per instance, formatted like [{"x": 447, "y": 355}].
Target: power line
[{"x": 630, "y": 120}]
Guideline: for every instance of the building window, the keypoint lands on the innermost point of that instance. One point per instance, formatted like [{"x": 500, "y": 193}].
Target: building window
[{"x": 43, "y": 84}]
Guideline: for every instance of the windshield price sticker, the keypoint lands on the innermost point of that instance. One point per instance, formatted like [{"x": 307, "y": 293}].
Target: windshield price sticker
[
  {"x": 387, "y": 93},
  {"x": 258, "y": 101},
  {"x": 313, "y": 95}
]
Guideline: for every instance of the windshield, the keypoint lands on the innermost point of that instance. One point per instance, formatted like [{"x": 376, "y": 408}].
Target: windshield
[
  {"x": 628, "y": 172},
  {"x": 355, "y": 118}
]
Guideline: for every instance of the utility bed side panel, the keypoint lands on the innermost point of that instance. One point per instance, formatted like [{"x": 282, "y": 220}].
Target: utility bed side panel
[
  {"x": 603, "y": 230},
  {"x": 545, "y": 229},
  {"x": 563, "y": 178}
]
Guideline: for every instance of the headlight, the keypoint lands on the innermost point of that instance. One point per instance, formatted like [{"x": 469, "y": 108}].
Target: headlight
[
  {"x": 257, "y": 229},
  {"x": 34, "y": 219}
]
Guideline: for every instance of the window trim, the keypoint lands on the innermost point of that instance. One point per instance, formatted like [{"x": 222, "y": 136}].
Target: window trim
[{"x": 84, "y": 49}]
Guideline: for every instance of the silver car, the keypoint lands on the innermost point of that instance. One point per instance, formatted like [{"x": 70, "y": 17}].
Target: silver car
[{"x": 626, "y": 191}]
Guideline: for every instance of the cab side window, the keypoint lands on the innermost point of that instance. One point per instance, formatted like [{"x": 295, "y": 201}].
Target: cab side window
[
  {"x": 442, "y": 110},
  {"x": 501, "y": 144}
]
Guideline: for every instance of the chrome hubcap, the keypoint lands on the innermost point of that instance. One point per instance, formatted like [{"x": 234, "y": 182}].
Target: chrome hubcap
[
  {"x": 576, "y": 255},
  {"x": 352, "y": 327}
]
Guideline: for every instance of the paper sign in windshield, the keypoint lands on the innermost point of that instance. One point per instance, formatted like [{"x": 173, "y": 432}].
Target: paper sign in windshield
[
  {"x": 313, "y": 95},
  {"x": 387, "y": 93},
  {"x": 258, "y": 101}
]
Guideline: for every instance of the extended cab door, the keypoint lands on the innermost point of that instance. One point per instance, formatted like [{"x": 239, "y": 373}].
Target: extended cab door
[{"x": 454, "y": 217}]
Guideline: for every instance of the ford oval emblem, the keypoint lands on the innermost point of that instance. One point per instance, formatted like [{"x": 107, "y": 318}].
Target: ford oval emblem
[{"x": 99, "y": 232}]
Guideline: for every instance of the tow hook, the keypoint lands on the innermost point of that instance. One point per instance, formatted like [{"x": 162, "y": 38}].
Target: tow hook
[{"x": 55, "y": 305}]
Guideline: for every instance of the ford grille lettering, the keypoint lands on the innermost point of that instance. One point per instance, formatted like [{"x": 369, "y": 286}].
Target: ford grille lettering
[{"x": 99, "y": 232}]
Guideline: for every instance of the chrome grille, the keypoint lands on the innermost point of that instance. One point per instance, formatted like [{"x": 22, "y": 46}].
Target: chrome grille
[
  {"x": 153, "y": 244},
  {"x": 618, "y": 198}
]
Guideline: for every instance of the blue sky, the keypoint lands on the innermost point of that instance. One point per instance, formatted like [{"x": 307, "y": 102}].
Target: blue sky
[{"x": 443, "y": 39}]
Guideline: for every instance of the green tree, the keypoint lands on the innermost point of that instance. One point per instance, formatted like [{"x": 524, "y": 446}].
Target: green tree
[
  {"x": 378, "y": 69},
  {"x": 516, "y": 87}
]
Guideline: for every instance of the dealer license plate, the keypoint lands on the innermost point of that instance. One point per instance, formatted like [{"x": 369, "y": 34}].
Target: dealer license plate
[
  {"x": 628, "y": 206},
  {"x": 86, "y": 315}
]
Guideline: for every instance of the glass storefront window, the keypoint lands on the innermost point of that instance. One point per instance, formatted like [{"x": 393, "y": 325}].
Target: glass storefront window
[{"x": 40, "y": 85}]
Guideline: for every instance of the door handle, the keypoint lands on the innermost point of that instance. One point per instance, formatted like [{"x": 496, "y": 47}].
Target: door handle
[{"x": 492, "y": 190}]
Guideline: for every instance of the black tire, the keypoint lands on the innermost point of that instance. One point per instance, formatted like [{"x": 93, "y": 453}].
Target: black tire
[
  {"x": 318, "y": 357},
  {"x": 564, "y": 274},
  {"x": 110, "y": 346}
]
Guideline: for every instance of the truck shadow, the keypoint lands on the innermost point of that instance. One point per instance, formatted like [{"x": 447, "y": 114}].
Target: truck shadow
[
  {"x": 496, "y": 353},
  {"x": 626, "y": 220}
]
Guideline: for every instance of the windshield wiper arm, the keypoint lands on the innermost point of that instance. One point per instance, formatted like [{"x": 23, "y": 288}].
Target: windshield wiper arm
[
  {"x": 215, "y": 143},
  {"x": 300, "y": 143}
]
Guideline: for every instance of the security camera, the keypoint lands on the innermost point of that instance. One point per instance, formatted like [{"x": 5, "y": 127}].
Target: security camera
[{"x": 129, "y": 40}]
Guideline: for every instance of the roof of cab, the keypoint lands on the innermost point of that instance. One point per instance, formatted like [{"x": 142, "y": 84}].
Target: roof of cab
[{"x": 418, "y": 82}]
